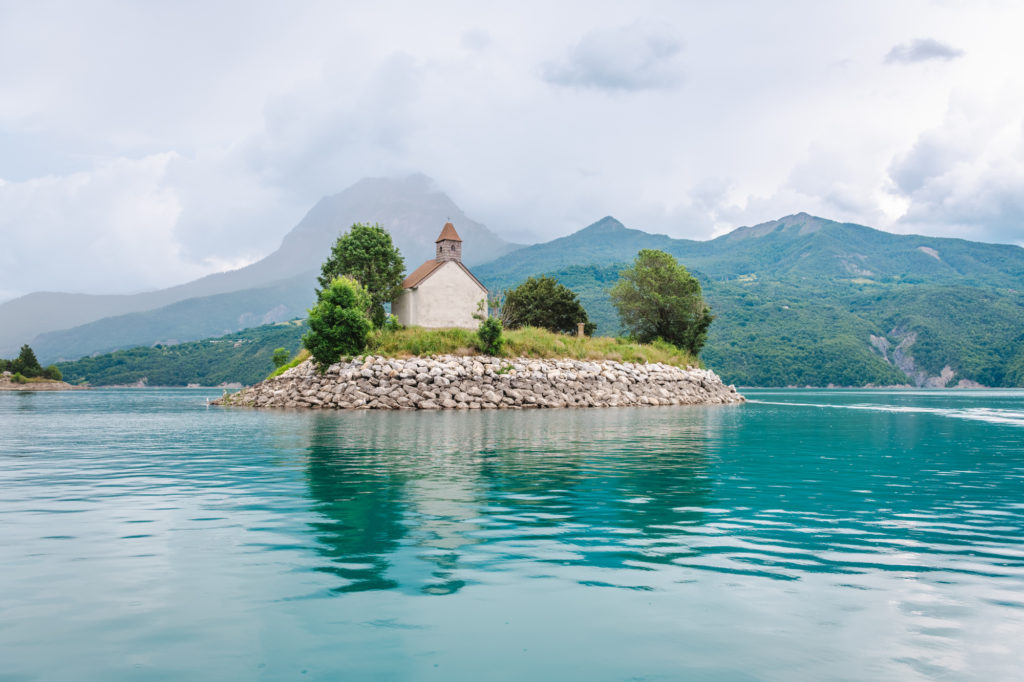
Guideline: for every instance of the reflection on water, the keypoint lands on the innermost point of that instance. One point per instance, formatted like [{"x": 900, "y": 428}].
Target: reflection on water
[
  {"x": 801, "y": 534},
  {"x": 631, "y": 490},
  {"x": 543, "y": 487}
]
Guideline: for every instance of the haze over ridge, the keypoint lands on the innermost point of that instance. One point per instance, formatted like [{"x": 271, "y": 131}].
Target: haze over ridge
[{"x": 683, "y": 118}]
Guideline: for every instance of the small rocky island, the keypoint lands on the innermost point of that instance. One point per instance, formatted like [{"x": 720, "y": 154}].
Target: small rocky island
[
  {"x": 9, "y": 383},
  {"x": 441, "y": 302},
  {"x": 480, "y": 382}
]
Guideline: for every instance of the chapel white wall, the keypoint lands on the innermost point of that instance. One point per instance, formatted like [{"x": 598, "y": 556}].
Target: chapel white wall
[
  {"x": 404, "y": 307},
  {"x": 448, "y": 298}
]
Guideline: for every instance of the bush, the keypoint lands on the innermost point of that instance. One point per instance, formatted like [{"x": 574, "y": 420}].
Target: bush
[
  {"x": 51, "y": 372},
  {"x": 338, "y": 324},
  {"x": 543, "y": 302},
  {"x": 18, "y": 378},
  {"x": 489, "y": 339},
  {"x": 280, "y": 357},
  {"x": 299, "y": 358}
]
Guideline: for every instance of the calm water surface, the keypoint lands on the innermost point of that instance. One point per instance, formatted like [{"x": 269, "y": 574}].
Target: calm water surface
[{"x": 807, "y": 535}]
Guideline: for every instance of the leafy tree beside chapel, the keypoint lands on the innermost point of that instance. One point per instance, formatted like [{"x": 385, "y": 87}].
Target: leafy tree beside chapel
[
  {"x": 657, "y": 298},
  {"x": 367, "y": 255}
]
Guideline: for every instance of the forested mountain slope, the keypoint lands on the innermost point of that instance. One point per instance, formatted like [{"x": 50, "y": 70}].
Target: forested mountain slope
[
  {"x": 807, "y": 301},
  {"x": 188, "y": 320},
  {"x": 243, "y": 357}
]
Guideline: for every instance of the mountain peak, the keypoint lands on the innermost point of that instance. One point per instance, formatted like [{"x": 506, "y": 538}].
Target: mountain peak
[
  {"x": 605, "y": 225},
  {"x": 799, "y": 223}
]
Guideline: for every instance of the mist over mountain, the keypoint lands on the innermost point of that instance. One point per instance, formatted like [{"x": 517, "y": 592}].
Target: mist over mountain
[{"x": 412, "y": 209}]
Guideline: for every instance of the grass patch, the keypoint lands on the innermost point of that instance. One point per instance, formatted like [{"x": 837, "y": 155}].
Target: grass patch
[
  {"x": 412, "y": 341},
  {"x": 17, "y": 378},
  {"x": 299, "y": 358},
  {"x": 529, "y": 342}
]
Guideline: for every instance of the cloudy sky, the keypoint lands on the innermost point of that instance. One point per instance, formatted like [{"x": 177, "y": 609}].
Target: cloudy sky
[{"x": 146, "y": 144}]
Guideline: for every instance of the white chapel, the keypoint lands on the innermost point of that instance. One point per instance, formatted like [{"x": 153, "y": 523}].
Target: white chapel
[{"x": 442, "y": 292}]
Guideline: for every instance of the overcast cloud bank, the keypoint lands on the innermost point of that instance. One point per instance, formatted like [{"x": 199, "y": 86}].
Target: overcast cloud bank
[{"x": 147, "y": 145}]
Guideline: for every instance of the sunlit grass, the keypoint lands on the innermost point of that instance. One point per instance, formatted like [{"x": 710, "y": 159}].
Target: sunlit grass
[
  {"x": 529, "y": 342},
  {"x": 299, "y": 358}
]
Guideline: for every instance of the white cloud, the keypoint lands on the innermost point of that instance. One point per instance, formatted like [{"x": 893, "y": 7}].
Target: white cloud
[
  {"x": 966, "y": 176},
  {"x": 922, "y": 50},
  {"x": 109, "y": 229},
  {"x": 630, "y": 58}
]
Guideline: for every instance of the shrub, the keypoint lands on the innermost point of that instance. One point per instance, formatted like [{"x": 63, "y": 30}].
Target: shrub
[
  {"x": 338, "y": 324},
  {"x": 18, "y": 378},
  {"x": 543, "y": 302},
  {"x": 489, "y": 339},
  {"x": 299, "y": 358},
  {"x": 280, "y": 357},
  {"x": 51, "y": 372}
]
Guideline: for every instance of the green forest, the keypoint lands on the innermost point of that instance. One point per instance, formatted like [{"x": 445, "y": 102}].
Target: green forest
[
  {"x": 244, "y": 357},
  {"x": 796, "y": 332}
]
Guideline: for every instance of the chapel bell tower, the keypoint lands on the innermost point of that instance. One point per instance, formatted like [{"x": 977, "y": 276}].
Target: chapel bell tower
[{"x": 449, "y": 245}]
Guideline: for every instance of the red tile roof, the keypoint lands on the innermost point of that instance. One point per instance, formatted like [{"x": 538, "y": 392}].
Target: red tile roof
[
  {"x": 417, "y": 276},
  {"x": 421, "y": 273},
  {"x": 448, "y": 234}
]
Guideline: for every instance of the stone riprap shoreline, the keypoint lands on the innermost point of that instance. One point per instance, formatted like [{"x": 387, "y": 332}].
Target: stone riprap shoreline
[
  {"x": 8, "y": 384},
  {"x": 455, "y": 382}
]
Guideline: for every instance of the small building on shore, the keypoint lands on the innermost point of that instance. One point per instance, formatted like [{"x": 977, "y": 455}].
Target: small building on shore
[{"x": 442, "y": 292}]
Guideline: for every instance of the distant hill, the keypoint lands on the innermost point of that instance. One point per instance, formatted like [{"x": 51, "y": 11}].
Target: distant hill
[
  {"x": 808, "y": 301},
  {"x": 188, "y": 320},
  {"x": 243, "y": 357},
  {"x": 411, "y": 208},
  {"x": 797, "y": 246}
]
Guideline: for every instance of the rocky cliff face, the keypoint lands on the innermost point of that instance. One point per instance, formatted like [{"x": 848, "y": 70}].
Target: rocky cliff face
[
  {"x": 450, "y": 382},
  {"x": 904, "y": 360}
]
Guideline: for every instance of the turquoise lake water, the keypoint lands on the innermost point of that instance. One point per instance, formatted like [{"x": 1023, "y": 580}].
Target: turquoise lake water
[{"x": 807, "y": 535}]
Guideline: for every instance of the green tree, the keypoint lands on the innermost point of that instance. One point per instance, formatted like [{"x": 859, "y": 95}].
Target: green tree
[
  {"x": 338, "y": 324},
  {"x": 543, "y": 302},
  {"x": 658, "y": 299},
  {"x": 489, "y": 339},
  {"x": 280, "y": 357},
  {"x": 366, "y": 254},
  {"x": 26, "y": 363}
]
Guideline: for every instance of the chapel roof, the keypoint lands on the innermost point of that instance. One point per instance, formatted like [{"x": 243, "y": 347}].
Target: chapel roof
[
  {"x": 449, "y": 234},
  {"x": 421, "y": 273},
  {"x": 424, "y": 271}
]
